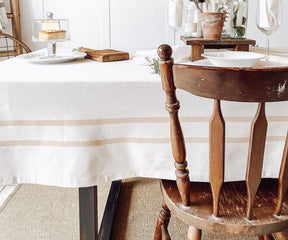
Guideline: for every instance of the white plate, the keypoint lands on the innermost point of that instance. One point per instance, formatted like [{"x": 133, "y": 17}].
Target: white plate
[
  {"x": 233, "y": 58},
  {"x": 61, "y": 58}
]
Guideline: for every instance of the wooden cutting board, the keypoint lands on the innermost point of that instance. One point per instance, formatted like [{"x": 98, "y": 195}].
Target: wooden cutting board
[{"x": 105, "y": 55}]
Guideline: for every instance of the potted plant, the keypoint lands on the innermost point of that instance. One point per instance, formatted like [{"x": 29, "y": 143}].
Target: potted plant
[{"x": 212, "y": 20}]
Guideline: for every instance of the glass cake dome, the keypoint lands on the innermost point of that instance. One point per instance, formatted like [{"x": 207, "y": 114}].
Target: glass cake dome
[{"x": 50, "y": 30}]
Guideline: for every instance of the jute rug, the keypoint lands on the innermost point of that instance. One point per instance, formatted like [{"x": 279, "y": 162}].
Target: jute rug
[
  {"x": 137, "y": 212},
  {"x": 49, "y": 213}
]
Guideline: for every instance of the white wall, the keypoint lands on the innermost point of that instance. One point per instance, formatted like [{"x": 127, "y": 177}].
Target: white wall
[
  {"x": 124, "y": 24},
  {"x": 30, "y": 9},
  {"x": 135, "y": 25},
  {"x": 120, "y": 24},
  {"x": 85, "y": 17}
]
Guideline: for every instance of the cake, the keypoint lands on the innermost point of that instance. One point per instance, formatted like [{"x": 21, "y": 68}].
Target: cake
[{"x": 51, "y": 35}]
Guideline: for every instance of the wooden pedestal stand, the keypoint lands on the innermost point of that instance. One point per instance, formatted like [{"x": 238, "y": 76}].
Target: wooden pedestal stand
[{"x": 199, "y": 44}]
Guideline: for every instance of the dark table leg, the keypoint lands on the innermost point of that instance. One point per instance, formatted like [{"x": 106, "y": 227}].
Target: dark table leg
[
  {"x": 88, "y": 212},
  {"x": 109, "y": 212}
]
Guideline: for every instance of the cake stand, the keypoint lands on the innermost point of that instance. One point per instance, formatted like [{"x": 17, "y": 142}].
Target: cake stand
[{"x": 50, "y": 31}]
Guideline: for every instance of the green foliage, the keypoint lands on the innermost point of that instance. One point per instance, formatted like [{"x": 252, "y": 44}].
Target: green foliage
[
  {"x": 239, "y": 31},
  {"x": 153, "y": 63}
]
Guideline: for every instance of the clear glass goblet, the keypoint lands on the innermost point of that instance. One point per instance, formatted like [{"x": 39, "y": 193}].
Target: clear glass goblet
[
  {"x": 268, "y": 18},
  {"x": 175, "y": 11}
]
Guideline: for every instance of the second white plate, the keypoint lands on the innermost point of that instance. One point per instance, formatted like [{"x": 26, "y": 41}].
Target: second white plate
[{"x": 58, "y": 58}]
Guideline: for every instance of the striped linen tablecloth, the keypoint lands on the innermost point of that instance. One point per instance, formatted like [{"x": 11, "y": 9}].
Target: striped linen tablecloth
[{"x": 83, "y": 123}]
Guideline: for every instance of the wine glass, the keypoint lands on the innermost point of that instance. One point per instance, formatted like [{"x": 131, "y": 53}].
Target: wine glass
[
  {"x": 175, "y": 11},
  {"x": 268, "y": 18}
]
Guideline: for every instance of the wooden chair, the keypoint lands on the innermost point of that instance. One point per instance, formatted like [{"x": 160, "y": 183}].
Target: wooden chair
[
  {"x": 12, "y": 46},
  {"x": 218, "y": 207}
]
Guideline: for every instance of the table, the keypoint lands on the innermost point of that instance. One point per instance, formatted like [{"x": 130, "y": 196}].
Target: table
[
  {"x": 199, "y": 44},
  {"x": 83, "y": 123}
]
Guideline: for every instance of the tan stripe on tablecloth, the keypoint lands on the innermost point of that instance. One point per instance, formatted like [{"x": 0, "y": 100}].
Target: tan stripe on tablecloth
[
  {"x": 81, "y": 122},
  {"x": 126, "y": 120},
  {"x": 103, "y": 142},
  {"x": 82, "y": 143},
  {"x": 235, "y": 140},
  {"x": 235, "y": 119}
]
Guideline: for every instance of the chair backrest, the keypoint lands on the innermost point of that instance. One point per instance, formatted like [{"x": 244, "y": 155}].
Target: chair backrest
[
  {"x": 232, "y": 84},
  {"x": 12, "y": 46}
]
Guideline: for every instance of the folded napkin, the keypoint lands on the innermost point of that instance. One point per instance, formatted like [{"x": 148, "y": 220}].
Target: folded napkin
[
  {"x": 175, "y": 12},
  {"x": 269, "y": 10},
  {"x": 3, "y": 16},
  {"x": 180, "y": 54},
  {"x": 240, "y": 13},
  {"x": 281, "y": 52}
]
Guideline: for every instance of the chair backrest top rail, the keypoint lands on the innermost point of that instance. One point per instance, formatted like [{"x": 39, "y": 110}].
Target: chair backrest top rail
[{"x": 233, "y": 85}]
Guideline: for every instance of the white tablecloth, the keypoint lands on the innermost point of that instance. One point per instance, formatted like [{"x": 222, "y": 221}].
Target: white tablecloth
[{"x": 83, "y": 123}]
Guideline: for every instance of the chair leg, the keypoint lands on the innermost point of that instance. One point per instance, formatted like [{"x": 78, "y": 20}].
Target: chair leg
[
  {"x": 161, "y": 231},
  {"x": 282, "y": 235},
  {"x": 266, "y": 237},
  {"x": 194, "y": 233}
]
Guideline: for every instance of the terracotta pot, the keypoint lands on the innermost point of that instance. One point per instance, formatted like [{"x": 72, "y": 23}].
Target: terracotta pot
[{"x": 212, "y": 24}]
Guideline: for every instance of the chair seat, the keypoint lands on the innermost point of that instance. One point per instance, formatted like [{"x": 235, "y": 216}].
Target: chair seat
[{"x": 232, "y": 205}]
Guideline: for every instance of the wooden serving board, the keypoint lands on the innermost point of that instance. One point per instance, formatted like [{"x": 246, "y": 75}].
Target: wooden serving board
[{"x": 105, "y": 55}]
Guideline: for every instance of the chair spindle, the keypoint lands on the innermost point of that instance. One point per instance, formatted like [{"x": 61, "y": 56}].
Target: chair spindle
[
  {"x": 161, "y": 232},
  {"x": 266, "y": 237},
  {"x": 283, "y": 181},
  {"x": 217, "y": 154},
  {"x": 194, "y": 233},
  {"x": 177, "y": 140},
  {"x": 255, "y": 156}
]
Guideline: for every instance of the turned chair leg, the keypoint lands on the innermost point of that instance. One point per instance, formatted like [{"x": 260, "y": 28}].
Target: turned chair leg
[
  {"x": 282, "y": 235},
  {"x": 161, "y": 231},
  {"x": 266, "y": 237},
  {"x": 194, "y": 233}
]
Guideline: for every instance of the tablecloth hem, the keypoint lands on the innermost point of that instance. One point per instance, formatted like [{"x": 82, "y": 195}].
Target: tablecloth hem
[{"x": 98, "y": 180}]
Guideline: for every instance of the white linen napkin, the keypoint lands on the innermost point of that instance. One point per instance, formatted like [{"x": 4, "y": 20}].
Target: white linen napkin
[
  {"x": 240, "y": 12},
  {"x": 269, "y": 10},
  {"x": 175, "y": 12},
  {"x": 3, "y": 16},
  {"x": 281, "y": 52},
  {"x": 180, "y": 54}
]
